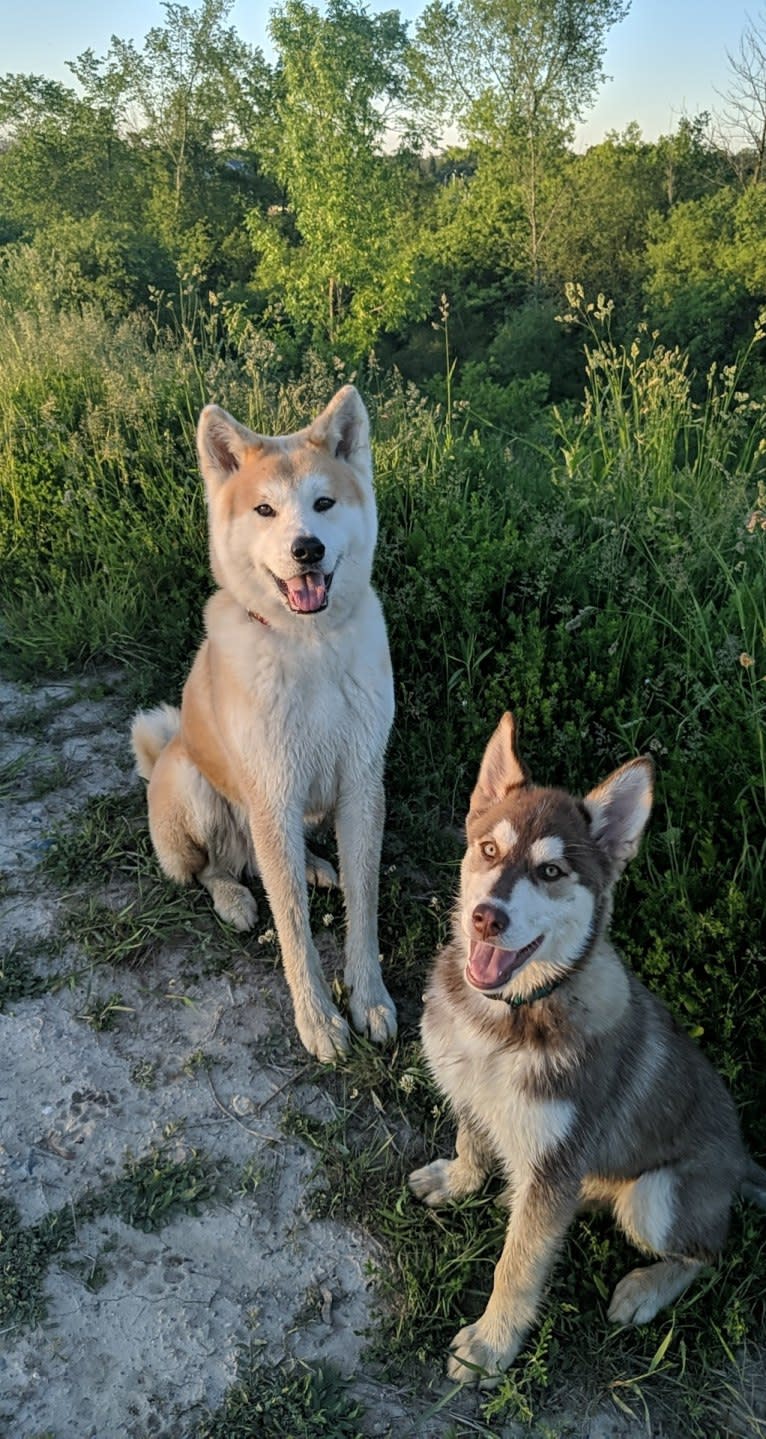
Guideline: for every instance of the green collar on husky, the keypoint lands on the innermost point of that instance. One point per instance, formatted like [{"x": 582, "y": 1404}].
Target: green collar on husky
[{"x": 515, "y": 1001}]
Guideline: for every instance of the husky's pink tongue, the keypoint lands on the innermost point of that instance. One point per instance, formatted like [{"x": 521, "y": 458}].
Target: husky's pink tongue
[
  {"x": 489, "y": 968},
  {"x": 306, "y": 593}
]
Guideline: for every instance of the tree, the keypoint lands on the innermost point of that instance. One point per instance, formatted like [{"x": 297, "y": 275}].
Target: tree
[
  {"x": 195, "y": 90},
  {"x": 339, "y": 252},
  {"x": 706, "y": 264},
  {"x": 61, "y": 157},
  {"x": 744, "y": 118},
  {"x": 514, "y": 75}
]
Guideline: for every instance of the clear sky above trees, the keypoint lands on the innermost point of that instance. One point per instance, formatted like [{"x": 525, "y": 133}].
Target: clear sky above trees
[{"x": 668, "y": 57}]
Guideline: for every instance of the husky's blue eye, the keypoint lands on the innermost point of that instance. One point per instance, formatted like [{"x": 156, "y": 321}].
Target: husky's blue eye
[
  {"x": 551, "y": 871},
  {"x": 265, "y": 510},
  {"x": 325, "y": 502}
]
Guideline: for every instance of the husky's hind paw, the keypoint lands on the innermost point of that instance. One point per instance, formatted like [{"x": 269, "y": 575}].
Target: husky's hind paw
[{"x": 644, "y": 1292}]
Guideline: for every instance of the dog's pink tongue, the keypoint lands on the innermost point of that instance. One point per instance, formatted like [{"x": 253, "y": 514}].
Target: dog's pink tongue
[
  {"x": 306, "y": 593},
  {"x": 488, "y": 967}
]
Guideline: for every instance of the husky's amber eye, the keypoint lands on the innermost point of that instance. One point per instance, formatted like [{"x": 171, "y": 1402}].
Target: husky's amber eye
[
  {"x": 325, "y": 502},
  {"x": 488, "y": 849},
  {"x": 265, "y": 510},
  {"x": 551, "y": 871}
]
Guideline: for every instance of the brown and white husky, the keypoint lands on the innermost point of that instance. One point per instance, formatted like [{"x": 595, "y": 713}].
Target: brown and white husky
[
  {"x": 287, "y": 710},
  {"x": 561, "y": 1069}
]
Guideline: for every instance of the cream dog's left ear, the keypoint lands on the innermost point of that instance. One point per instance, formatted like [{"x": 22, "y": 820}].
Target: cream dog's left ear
[{"x": 344, "y": 428}]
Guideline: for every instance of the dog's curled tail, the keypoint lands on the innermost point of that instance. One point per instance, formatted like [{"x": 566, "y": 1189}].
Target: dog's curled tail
[
  {"x": 754, "y": 1184},
  {"x": 150, "y": 731}
]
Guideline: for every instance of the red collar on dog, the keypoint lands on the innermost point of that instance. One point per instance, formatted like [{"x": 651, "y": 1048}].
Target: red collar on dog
[{"x": 251, "y": 615}]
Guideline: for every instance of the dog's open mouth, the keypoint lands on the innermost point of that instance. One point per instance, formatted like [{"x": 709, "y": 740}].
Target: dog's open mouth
[
  {"x": 491, "y": 968},
  {"x": 306, "y": 594}
]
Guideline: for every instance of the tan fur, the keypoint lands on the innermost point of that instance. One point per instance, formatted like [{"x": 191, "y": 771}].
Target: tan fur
[
  {"x": 588, "y": 1095},
  {"x": 286, "y": 711}
]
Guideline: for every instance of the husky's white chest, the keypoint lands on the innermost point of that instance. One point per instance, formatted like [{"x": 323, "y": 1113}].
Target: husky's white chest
[{"x": 489, "y": 1083}]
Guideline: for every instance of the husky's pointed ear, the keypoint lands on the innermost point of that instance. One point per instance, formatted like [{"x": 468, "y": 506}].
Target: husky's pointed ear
[
  {"x": 222, "y": 445},
  {"x": 619, "y": 809},
  {"x": 344, "y": 429},
  {"x": 501, "y": 769}
]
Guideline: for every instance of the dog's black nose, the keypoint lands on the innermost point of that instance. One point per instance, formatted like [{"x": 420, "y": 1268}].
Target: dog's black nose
[
  {"x": 307, "y": 549},
  {"x": 488, "y": 920}
]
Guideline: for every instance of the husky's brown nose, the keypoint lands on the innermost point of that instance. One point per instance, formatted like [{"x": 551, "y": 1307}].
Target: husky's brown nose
[
  {"x": 488, "y": 920},
  {"x": 307, "y": 549}
]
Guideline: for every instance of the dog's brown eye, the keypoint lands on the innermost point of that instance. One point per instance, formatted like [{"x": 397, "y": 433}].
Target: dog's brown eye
[
  {"x": 551, "y": 871},
  {"x": 265, "y": 510},
  {"x": 325, "y": 502},
  {"x": 488, "y": 849}
]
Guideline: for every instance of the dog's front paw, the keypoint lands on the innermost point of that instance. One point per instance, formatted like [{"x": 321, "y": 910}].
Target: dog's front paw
[
  {"x": 431, "y": 1183},
  {"x": 373, "y": 1012},
  {"x": 325, "y": 1035},
  {"x": 474, "y": 1360}
]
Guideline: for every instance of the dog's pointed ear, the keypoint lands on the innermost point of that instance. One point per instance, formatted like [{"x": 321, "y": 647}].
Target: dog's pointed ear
[
  {"x": 344, "y": 429},
  {"x": 619, "y": 808},
  {"x": 501, "y": 768},
  {"x": 222, "y": 445}
]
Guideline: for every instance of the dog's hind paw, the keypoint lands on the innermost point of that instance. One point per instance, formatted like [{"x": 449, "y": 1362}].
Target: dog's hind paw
[
  {"x": 431, "y": 1183},
  {"x": 320, "y": 872},
  {"x": 234, "y": 903},
  {"x": 644, "y": 1292}
]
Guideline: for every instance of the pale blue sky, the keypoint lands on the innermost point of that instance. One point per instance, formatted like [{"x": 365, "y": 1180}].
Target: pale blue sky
[{"x": 667, "y": 58}]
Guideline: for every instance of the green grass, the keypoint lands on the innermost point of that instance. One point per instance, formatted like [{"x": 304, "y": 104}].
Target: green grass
[{"x": 289, "y": 1401}]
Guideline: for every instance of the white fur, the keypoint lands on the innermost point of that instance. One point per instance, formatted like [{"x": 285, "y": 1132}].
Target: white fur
[
  {"x": 505, "y": 834},
  {"x": 546, "y": 850},
  {"x": 489, "y": 1084},
  {"x": 646, "y": 1209}
]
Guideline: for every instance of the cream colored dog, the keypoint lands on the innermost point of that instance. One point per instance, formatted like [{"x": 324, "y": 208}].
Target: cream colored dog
[{"x": 287, "y": 709}]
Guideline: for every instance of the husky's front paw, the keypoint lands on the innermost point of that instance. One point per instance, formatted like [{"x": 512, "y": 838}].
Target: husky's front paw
[
  {"x": 431, "y": 1183},
  {"x": 373, "y": 1013},
  {"x": 325, "y": 1035},
  {"x": 473, "y": 1360}
]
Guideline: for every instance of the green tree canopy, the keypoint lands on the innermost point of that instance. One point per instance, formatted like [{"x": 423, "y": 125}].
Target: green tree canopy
[{"x": 340, "y": 250}]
